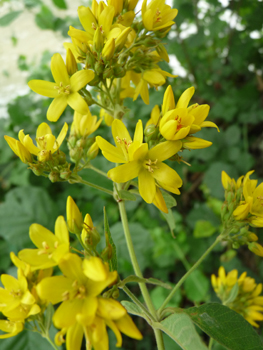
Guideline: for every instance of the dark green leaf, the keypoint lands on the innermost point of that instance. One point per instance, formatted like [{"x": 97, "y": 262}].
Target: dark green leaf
[
  {"x": 170, "y": 219},
  {"x": 170, "y": 201},
  {"x": 25, "y": 341},
  {"x": 109, "y": 242},
  {"x": 225, "y": 326},
  {"x": 182, "y": 331},
  {"x": 60, "y": 4},
  {"x": 22, "y": 207},
  {"x": 9, "y": 18},
  {"x": 45, "y": 19}
]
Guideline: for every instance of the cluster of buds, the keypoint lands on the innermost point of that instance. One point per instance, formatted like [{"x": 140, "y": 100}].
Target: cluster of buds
[
  {"x": 240, "y": 294},
  {"x": 242, "y": 208},
  {"x": 81, "y": 147},
  {"x": 45, "y": 158}
]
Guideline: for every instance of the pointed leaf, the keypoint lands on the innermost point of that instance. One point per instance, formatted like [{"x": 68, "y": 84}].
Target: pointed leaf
[
  {"x": 127, "y": 195},
  {"x": 132, "y": 308},
  {"x": 225, "y": 326},
  {"x": 182, "y": 331}
]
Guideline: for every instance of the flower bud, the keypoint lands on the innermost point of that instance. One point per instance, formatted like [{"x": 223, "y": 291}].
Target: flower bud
[
  {"x": 54, "y": 177},
  {"x": 99, "y": 67},
  {"x": 98, "y": 40},
  {"x": 76, "y": 154},
  {"x": 65, "y": 175},
  {"x": 108, "y": 50},
  {"x": 44, "y": 156},
  {"x": 74, "y": 217},
  {"x": 256, "y": 248},
  {"x": 93, "y": 151},
  {"x": 71, "y": 63}
]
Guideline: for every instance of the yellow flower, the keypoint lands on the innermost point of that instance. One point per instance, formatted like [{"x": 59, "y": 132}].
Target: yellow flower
[
  {"x": 157, "y": 15},
  {"x": 248, "y": 301},
  {"x": 17, "y": 302},
  {"x": 140, "y": 161},
  {"x": 83, "y": 311},
  {"x": 180, "y": 121},
  {"x": 64, "y": 90},
  {"x": 19, "y": 149},
  {"x": 11, "y": 328},
  {"x": 251, "y": 207},
  {"x": 154, "y": 77},
  {"x": 47, "y": 144},
  {"x": 51, "y": 248},
  {"x": 125, "y": 147},
  {"x": 229, "y": 183},
  {"x": 84, "y": 125},
  {"x": 74, "y": 217}
]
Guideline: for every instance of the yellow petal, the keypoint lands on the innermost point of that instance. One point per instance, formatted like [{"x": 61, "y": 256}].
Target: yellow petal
[
  {"x": 192, "y": 142},
  {"x": 200, "y": 113},
  {"x": 39, "y": 234},
  {"x": 86, "y": 18},
  {"x": 28, "y": 143},
  {"x": 95, "y": 269},
  {"x": 74, "y": 216},
  {"x": 159, "y": 201},
  {"x": 59, "y": 70},
  {"x": 78, "y": 103},
  {"x": 165, "y": 150},
  {"x": 185, "y": 98},
  {"x": 147, "y": 187},
  {"x": 61, "y": 230},
  {"x": 168, "y": 100},
  {"x": 138, "y": 134},
  {"x": 53, "y": 289},
  {"x": 56, "y": 108},
  {"x": 113, "y": 154},
  {"x": 62, "y": 134},
  {"x": 153, "y": 77},
  {"x": 119, "y": 131},
  {"x": 80, "y": 79},
  {"x": 207, "y": 124},
  {"x": 110, "y": 308},
  {"x": 241, "y": 212},
  {"x": 44, "y": 88},
  {"x": 43, "y": 129},
  {"x": 168, "y": 176},
  {"x": 74, "y": 337},
  {"x": 116, "y": 331},
  {"x": 65, "y": 315},
  {"x": 125, "y": 172},
  {"x": 126, "y": 326}
]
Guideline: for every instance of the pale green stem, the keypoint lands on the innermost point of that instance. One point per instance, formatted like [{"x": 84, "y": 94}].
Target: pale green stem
[
  {"x": 46, "y": 336},
  {"x": 97, "y": 170},
  {"x": 103, "y": 107},
  {"x": 178, "y": 285},
  {"x": 210, "y": 343},
  {"x": 137, "y": 270},
  {"x": 80, "y": 180}
]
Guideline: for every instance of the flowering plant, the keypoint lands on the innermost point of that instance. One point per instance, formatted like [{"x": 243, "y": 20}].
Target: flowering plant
[{"x": 118, "y": 54}]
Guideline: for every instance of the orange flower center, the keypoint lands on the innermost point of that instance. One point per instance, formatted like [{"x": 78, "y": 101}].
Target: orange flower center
[{"x": 150, "y": 165}]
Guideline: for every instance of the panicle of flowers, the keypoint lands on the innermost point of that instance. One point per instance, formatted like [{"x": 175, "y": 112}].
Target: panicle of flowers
[
  {"x": 45, "y": 158},
  {"x": 242, "y": 208},
  {"x": 241, "y": 294}
]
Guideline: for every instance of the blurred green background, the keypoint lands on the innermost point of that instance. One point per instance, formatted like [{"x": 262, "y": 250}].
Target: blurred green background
[{"x": 215, "y": 46}]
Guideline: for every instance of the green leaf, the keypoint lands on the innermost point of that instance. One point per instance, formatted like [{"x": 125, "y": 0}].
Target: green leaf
[
  {"x": 60, "y": 4},
  {"x": 196, "y": 286},
  {"x": 25, "y": 341},
  {"x": 45, "y": 19},
  {"x": 204, "y": 228},
  {"x": 9, "y": 18},
  {"x": 23, "y": 207},
  {"x": 143, "y": 280},
  {"x": 181, "y": 329},
  {"x": 170, "y": 219},
  {"x": 225, "y": 326},
  {"x": 170, "y": 201},
  {"x": 127, "y": 195},
  {"x": 132, "y": 308},
  {"x": 109, "y": 242}
]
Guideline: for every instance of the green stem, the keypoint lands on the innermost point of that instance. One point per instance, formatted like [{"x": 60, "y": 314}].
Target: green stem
[
  {"x": 178, "y": 285},
  {"x": 104, "y": 107},
  {"x": 84, "y": 182},
  {"x": 97, "y": 170},
  {"x": 137, "y": 270},
  {"x": 210, "y": 343},
  {"x": 46, "y": 336}
]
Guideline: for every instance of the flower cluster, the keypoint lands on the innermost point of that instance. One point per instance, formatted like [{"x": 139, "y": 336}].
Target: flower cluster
[
  {"x": 242, "y": 208},
  {"x": 240, "y": 294},
  {"x": 83, "y": 310}
]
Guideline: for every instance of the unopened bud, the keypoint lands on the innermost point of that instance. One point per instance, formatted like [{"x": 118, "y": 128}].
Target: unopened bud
[
  {"x": 74, "y": 217},
  {"x": 93, "y": 151},
  {"x": 61, "y": 157},
  {"x": 99, "y": 67},
  {"x": 71, "y": 63},
  {"x": 54, "y": 177},
  {"x": 116, "y": 294},
  {"x": 119, "y": 72},
  {"x": 65, "y": 175},
  {"x": 235, "y": 245},
  {"x": 98, "y": 40},
  {"x": 95, "y": 80},
  {"x": 72, "y": 141},
  {"x": 108, "y": 50},
  {"x": 76, "y": 154},
  {"x": 151, "y": 132},
  {"x": 108, "y": 72},
  {"x": 231, "y": 208},
  {"x": 252, "y": 237},
  {"x": 106, "y": 254},
  {"x": 44, "y": 156}
]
